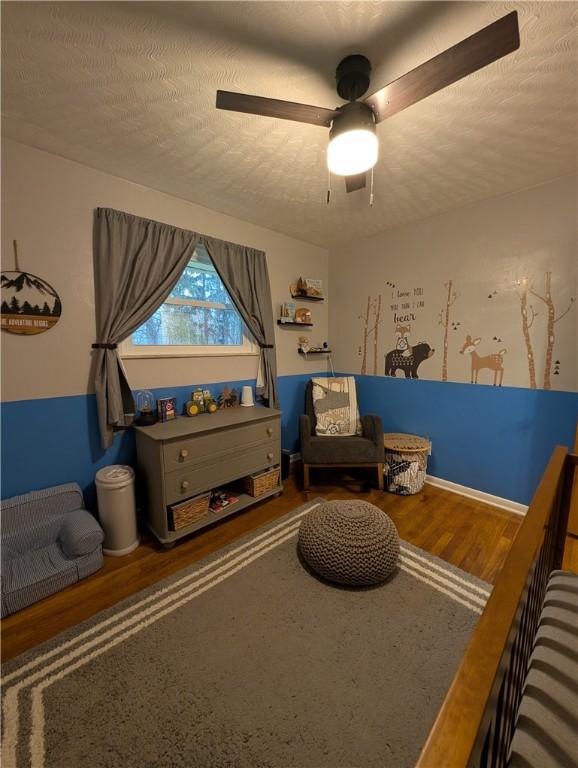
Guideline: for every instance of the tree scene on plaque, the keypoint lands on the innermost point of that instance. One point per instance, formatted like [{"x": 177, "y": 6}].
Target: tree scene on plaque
[{"x": 30, "y": 305}]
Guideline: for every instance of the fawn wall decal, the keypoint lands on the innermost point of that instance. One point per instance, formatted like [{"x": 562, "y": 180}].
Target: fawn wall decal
[{"x": 493, "y": 363}]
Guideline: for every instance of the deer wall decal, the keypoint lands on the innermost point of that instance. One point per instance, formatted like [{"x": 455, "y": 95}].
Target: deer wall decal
[{"x": 493, "y": 363}]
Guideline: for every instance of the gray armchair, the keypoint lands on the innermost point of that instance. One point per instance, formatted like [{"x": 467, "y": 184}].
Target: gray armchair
[{"x": 365, "y": 450}]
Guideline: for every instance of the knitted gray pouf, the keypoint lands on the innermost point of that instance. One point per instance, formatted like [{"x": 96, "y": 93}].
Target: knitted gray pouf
[{"x": 349, "y": 542}]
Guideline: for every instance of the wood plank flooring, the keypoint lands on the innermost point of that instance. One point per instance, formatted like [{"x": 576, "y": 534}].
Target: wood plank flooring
[{"x": 462, "y": 531}]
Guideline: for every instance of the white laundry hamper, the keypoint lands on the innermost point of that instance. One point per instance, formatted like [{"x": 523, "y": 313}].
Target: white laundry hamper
[{"x": 117, "y": 509}]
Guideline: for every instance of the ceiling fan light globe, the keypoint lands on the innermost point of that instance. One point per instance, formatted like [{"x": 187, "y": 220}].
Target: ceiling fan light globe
[{"x": 352, "y": 152}]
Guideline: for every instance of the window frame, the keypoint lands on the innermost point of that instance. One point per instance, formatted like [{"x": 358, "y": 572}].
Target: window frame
[{"x": 248, "y": 347}]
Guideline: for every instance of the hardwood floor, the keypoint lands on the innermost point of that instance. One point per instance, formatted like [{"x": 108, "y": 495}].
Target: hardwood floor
[{"x": 462, "y": 531}]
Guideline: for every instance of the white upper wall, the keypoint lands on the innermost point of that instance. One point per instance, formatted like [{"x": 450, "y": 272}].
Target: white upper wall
[
  {"x": 47, "y": 206},
  {"x": 486, "y": 250}
]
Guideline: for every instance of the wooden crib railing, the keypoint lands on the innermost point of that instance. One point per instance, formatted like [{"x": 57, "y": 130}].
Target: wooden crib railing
[{"x": 475, "y": 725}]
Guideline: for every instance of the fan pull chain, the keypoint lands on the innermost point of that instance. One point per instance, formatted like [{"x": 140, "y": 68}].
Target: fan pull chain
[
  {"x": 371, "y": 190},
  {"x": 328, "y": 186}
]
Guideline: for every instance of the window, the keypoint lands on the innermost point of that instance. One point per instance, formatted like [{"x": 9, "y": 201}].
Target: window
[{"x": 197, "y": 318}]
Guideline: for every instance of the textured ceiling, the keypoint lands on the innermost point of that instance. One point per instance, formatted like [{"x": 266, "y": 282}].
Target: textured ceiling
[{"x": 129, "y": 88}]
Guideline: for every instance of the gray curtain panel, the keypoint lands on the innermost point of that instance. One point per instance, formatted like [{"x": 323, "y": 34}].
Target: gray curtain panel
[
  {"x": 137, "y": 263},
  {"x": 244, "y": 274}
]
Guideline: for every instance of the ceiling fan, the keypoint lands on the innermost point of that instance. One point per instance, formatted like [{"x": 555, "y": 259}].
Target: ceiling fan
[{"x": 353, "y": 145}]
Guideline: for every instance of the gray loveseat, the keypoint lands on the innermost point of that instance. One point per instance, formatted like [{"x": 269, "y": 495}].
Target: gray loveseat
[{"x": 49, "y": 541}]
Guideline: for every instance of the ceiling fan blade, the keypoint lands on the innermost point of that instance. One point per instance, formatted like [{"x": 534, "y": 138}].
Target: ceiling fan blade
[
  {"x": 285, "y": 110},
  {"x": 353, "y": 183},
  {"x": 473, "y": 53}
]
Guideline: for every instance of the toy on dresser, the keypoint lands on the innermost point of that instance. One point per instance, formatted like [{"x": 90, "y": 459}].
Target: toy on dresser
[{"x": 167, "y": 408}]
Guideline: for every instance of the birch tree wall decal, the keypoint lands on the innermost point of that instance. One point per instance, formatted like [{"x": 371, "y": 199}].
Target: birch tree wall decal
[
  {"x": 444, "y": 321},
  {"x": 526, "y": 325},
  {"x": 375, "y": 330},
  {"x": 552, "y": 320},
  {"x": 372, "y": 316},
  {"x": 365, "y": 320}
]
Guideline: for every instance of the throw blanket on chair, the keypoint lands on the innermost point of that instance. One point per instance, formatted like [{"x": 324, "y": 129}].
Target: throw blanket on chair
[{"x": 335, "y": 407}]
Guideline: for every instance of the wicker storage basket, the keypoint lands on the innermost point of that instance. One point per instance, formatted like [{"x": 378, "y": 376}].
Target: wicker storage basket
[
  {"x": 188, "y": 512},
  {"x": 261, "y": 482},
  {"x": 405, "y": 462}
]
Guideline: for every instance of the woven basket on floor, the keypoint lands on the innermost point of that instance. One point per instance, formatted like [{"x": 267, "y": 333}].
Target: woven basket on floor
[{"x": 405, "y": 462}]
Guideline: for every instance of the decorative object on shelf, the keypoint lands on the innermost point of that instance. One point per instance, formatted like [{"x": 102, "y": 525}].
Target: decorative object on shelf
[
  {"x": 303, "y": 315},
  {"x": 303, "y": 345},
  {"x": 145, "y": 406},
  {"x": 30, "y": 305},
  {"x": 229, "y": 398},
  {"x": 307, "y": 288},
  {"x": 167, "y": 408},
  {"x": 192, "y": 408},
  {"x": 287, "y": 312},
  {"x": 305, "y": 349},
  {"x": 247, "y": 397},
  {"x": 220, "y": 499}
]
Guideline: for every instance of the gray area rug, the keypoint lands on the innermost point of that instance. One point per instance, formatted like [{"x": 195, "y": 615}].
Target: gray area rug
[{"x": 247, "y": 660}]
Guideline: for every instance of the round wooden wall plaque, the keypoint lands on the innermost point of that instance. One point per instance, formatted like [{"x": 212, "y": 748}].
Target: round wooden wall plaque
[{"x": 30, "y": 305}]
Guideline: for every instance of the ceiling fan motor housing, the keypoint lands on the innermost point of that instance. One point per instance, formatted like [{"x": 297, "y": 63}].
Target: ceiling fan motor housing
[
  {"x": 353, "y": 117},
  {"x": 352, "y": 77}
]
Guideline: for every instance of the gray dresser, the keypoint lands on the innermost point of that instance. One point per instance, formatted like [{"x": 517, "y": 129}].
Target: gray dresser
[{"x": 183, "y": 458}]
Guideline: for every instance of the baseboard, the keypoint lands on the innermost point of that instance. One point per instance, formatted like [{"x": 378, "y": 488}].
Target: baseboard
[
  {"x": 472, "y": 493},
  {"x": 463, "y": 490}
]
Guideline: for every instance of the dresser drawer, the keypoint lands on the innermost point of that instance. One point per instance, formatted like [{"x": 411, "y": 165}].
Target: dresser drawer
[
  {"x": 193, "y": 480},
  {"x": 180, "y": 453},
  {"x": 232, "y": 466},
  {"x": 246, "y": 462}
]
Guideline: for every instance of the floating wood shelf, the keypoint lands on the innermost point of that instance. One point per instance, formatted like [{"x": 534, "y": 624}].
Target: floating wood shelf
[
  {"x": 315, "y": 352},
  {"x": 291, "y": 322},
  {"x": 306, "y": 297}
]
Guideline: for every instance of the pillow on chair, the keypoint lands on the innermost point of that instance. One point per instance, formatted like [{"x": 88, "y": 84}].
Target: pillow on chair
[{"x": 335, "y": 407}]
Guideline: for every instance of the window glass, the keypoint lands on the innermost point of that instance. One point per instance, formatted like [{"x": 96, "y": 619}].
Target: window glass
[{"x": 198, "y": 312}]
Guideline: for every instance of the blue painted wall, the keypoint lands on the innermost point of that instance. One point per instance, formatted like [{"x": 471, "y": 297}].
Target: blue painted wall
[
  {"x": 496, "y": 440},
  {"x": 493, "y": 439},
  {"x": 56, "y": 440}
]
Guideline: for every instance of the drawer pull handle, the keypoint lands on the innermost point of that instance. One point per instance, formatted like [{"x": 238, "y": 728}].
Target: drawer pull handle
[
  {"x": 184, "y": 485},
  {"x": 269, "y": 456},
  {"x": 184, "y": 453},
  {"x": 269, "y": 431}
]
